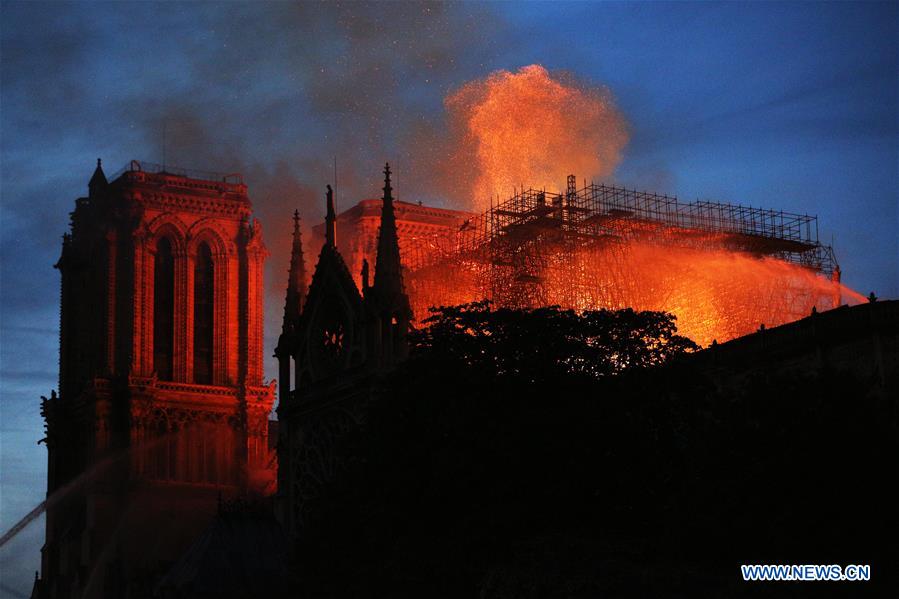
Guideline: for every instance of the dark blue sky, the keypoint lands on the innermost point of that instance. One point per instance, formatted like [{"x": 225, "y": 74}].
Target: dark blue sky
[{"x": 789, "y": 106}]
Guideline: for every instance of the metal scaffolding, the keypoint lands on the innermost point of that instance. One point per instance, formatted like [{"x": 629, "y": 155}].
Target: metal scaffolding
[
  {"x": 603, "y": 214},
  {"x": 587, "y": 248}
]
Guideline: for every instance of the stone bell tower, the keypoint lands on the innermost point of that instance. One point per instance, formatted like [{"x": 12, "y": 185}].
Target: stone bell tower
[{"x": 162, "y": 411}]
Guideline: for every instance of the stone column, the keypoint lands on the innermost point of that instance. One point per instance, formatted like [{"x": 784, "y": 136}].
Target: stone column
[
  {"x": 111, "y": 302},
  {"x": 142, "y": 323}
]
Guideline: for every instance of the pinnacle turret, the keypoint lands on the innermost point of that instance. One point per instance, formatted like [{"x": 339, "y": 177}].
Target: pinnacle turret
[
  {"x": 330, "y": 220},
  {"x": 98, "y": 181},
  {"x": 388, "y": 270},
  {"x": 296, "y": 283}
]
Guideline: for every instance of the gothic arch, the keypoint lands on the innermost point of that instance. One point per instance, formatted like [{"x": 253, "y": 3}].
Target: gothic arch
[
  {"x": 168, "y": 225},
  {"x": 224, "y": 259},
  {"x": 209, "y": 231}
]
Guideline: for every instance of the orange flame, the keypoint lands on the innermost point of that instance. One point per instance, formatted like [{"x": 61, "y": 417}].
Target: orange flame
[
  {"x": 533, "y": 127},
  {"x": 716, "y": 294}
]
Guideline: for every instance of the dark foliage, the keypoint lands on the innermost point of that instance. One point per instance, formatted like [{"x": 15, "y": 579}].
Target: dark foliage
[
  {"x": 504, "y": 464},
  {"x": 548, "y": 342}
]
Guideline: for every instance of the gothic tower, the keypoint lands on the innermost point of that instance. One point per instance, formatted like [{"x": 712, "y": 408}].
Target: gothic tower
[
  {"x": 344, "y": 342},
  {"x": 162, "y": 411}
]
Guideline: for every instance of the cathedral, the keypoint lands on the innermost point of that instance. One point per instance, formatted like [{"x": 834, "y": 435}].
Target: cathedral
[
  {"x": 162, "y": 415},
  {"x": 162, "y": 411},
  {"x": 166, "y": 476}
]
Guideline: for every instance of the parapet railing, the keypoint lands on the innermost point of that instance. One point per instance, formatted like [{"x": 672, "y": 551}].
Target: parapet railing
[{"x": 167, "y": 169}]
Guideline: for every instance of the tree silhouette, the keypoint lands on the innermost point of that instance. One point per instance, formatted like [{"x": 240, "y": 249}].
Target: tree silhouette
[
  {"x": 546, "y": 453},
  {"x": 548, "y": 342}
]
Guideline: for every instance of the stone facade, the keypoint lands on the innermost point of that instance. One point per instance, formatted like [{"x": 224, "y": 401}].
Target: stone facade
[
  {"x": 162, "y": 409},
  {"x": 419, "y": 229}
]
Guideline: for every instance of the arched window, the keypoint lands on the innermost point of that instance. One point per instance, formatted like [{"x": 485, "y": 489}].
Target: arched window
[
  {"x": 163, "y": 309},
  {"x": 204, "y": 279}
]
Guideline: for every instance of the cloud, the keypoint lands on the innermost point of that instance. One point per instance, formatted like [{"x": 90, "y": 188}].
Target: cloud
[{"x": 274, "y": 91}]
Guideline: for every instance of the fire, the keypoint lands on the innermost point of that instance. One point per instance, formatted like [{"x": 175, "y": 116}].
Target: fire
[
  {"x": 531, "y": 127},
  {"x": 723, "y": 271},
  {"x": 716, "y": 294}
]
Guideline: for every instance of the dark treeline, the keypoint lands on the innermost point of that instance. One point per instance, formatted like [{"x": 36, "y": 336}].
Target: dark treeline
[{"x": 549, "y": 454}]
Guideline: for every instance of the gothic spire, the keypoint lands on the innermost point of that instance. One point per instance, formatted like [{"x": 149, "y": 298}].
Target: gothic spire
[
  {"x": 98, "y": 180},
  {"x": 296, "y": 282},
  {"x": 388, "y": 273},
  {"x": 330, "y": 221}
]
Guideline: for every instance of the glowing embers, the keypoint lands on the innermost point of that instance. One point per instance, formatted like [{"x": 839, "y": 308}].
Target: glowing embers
[
  {"x": 722, "y": 269},
  {"x": 527, "y": 127},
  {"x": 716, "y": 294}
]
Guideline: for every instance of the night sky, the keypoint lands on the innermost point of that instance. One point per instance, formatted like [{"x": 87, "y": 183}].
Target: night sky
[{"x": 788, "y": 106}]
